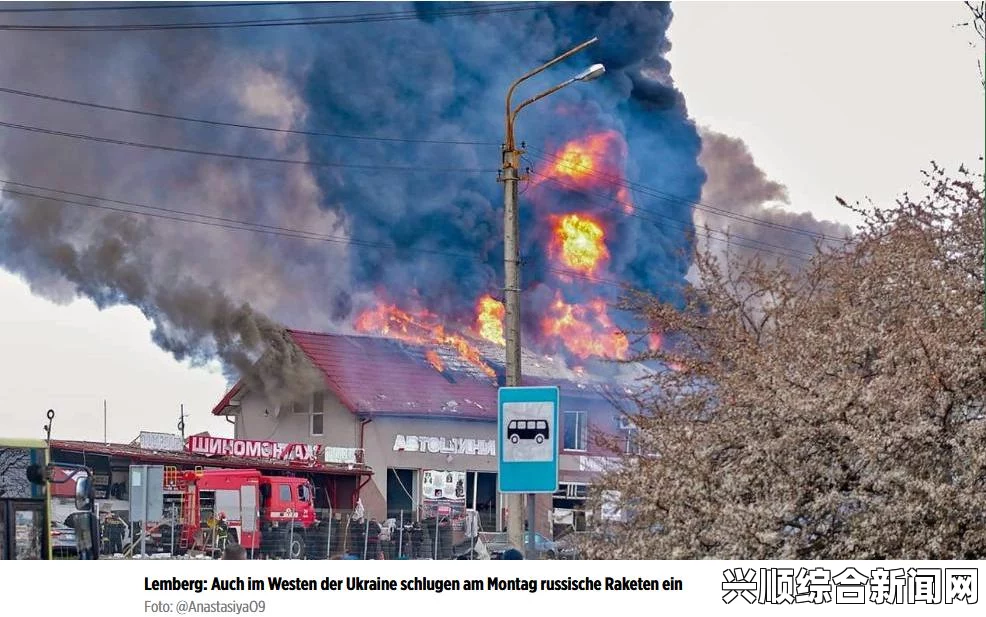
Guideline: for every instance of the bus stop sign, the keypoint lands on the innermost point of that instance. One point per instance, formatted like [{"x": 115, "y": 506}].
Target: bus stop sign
[{"x": 527, "y": 439}]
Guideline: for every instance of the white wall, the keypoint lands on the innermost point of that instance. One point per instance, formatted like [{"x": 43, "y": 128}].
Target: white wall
[{"x": 259, "y": 419}]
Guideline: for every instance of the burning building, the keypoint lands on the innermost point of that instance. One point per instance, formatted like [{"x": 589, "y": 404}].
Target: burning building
[{"x": 418, "y": 409}]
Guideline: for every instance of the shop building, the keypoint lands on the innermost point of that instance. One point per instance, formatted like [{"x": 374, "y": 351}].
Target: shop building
[
  {"x": 336, "y": 475},
  {"x": 424, "y": 420}
]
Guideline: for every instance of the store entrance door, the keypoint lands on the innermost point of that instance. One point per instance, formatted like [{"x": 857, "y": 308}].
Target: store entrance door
[
  {"x": 484, "y": 491},
  {"x": 22, "y": 530}
]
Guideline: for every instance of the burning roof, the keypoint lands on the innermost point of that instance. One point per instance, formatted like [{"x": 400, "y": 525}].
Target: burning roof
[{"x": 409, "y": 376}]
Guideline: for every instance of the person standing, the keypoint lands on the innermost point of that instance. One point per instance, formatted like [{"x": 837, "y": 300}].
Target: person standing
[
  {"x": 83, "y": 535},
  {"x": 115, "y": 530},
  {"x": 373, "y": 540}
]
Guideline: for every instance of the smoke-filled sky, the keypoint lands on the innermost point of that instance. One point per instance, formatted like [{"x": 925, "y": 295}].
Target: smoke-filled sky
[{"x": 435, "y": 79}]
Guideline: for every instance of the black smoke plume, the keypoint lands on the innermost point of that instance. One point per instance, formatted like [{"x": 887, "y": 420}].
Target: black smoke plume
[{"x": 388, "y": 213}]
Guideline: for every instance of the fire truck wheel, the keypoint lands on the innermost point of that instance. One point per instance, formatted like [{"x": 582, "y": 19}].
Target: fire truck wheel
[{"x": 295, "y": 544}]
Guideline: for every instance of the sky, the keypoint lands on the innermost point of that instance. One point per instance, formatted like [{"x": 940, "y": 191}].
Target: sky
[
  {"x": 834, "y": 98},
  {"x": 849, "y": 99}
]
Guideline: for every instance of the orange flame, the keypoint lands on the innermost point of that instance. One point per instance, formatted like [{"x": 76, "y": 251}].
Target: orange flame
[
  {"x": 585, "y": 330},
  {"x": 623, "y": 197},
  {"x": 579, "y": 239},
  {"x": 434, "y": 360},
  {"x": 574, "y": 161},
  {"x": 654, "y": 341},
  {"x": 590, "y": 160},
  {"x": 489, "y": 320},
  {"x": 421, "y": 328}
]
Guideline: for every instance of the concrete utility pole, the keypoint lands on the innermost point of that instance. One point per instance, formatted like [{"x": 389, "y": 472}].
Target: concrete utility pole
[{"x": 511, "y": 262}]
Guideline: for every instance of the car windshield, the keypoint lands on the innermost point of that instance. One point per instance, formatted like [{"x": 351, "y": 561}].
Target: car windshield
[{"x": 538, "y": 538}]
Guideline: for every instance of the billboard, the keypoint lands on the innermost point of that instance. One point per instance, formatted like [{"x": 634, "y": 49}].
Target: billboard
[
  {"x": 162, "y": 442},
  {"x": 248, "y": 448},
  {"x": 443, "y": 493}
]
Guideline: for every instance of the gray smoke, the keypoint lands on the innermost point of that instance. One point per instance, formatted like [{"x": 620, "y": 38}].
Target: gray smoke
[
  {"x": 208, "y": 290},
  {"x": 193, "y": 322},
  {"x": 737, "y": 185}
]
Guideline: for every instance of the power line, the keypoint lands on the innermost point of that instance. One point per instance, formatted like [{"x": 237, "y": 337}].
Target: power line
[
  {"x": 310, "y": 164},
  {"x": 245, "y": 157},
  {"x": 758, "y": 245},
  {"x": 211, "y": 220},
  {"x": 588, "y": 277},
  {"x": 653, "y": 192},
  {"x": 545, "y": 157},
  {"x": 176, "y": 215},
  {"x": 151, "y": 7},
  {"x": 637, "y": 209},
  {"x": 152, "y": 114},
  {"x": 358, "y": 18}
]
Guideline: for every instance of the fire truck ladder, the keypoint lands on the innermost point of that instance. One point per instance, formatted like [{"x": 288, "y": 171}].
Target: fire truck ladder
[{"x": 189, "y": 505}]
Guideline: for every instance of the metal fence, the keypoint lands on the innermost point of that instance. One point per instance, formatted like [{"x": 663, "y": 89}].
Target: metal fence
[
  {"x": 336, "y": 535},
  {"x": 340, "y": 536}
]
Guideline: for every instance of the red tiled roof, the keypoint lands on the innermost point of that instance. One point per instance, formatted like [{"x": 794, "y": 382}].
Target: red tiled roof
[
  {"x": 371, "y": 374},
  {"x": 375, "y": 375},
  {"x": 218, "y": 409}
]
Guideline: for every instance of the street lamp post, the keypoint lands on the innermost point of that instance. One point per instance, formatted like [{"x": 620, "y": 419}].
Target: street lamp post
[{"x": 511, "y": 262}]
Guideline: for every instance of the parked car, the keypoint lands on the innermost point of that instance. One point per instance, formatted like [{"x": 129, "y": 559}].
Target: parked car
[
  {"x": 63, "y": 543},
  {"x": 497, "y": 543}
]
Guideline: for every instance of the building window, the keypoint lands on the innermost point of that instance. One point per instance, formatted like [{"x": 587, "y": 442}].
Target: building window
[
  {"x": 317, "y": 428},
  {"x": 572, "y": 490},
  {"x": 575, "y": 430},
  {"x": 318, "y": 414},
  {"x": 295, "y": 407}
]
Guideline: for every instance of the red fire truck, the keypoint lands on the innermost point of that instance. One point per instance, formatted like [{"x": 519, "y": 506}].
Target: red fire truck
[{"x": 268, "y": 515}]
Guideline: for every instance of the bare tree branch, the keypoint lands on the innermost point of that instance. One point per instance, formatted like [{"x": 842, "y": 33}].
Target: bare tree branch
[{"x": 832, "y": 412}]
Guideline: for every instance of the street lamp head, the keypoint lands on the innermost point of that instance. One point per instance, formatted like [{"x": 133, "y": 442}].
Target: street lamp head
[{"x": 593, "y": 72}]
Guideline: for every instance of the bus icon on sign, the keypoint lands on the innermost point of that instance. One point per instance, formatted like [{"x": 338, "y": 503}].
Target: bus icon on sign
[{"x": 527, "y": 429}]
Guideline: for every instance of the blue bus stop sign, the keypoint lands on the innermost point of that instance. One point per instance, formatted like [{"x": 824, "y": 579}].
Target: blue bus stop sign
[{"x": 527, "y": 439}]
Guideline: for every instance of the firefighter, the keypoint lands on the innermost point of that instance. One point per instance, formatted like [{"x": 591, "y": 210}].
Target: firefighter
[
  {"x": 116, "y": 529},
  {"x": 420, "y": 541},
  {"x": 356, "y": 535},
  {"x": 222, "y": 527},
  {"x": 373, "y": 540}
]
